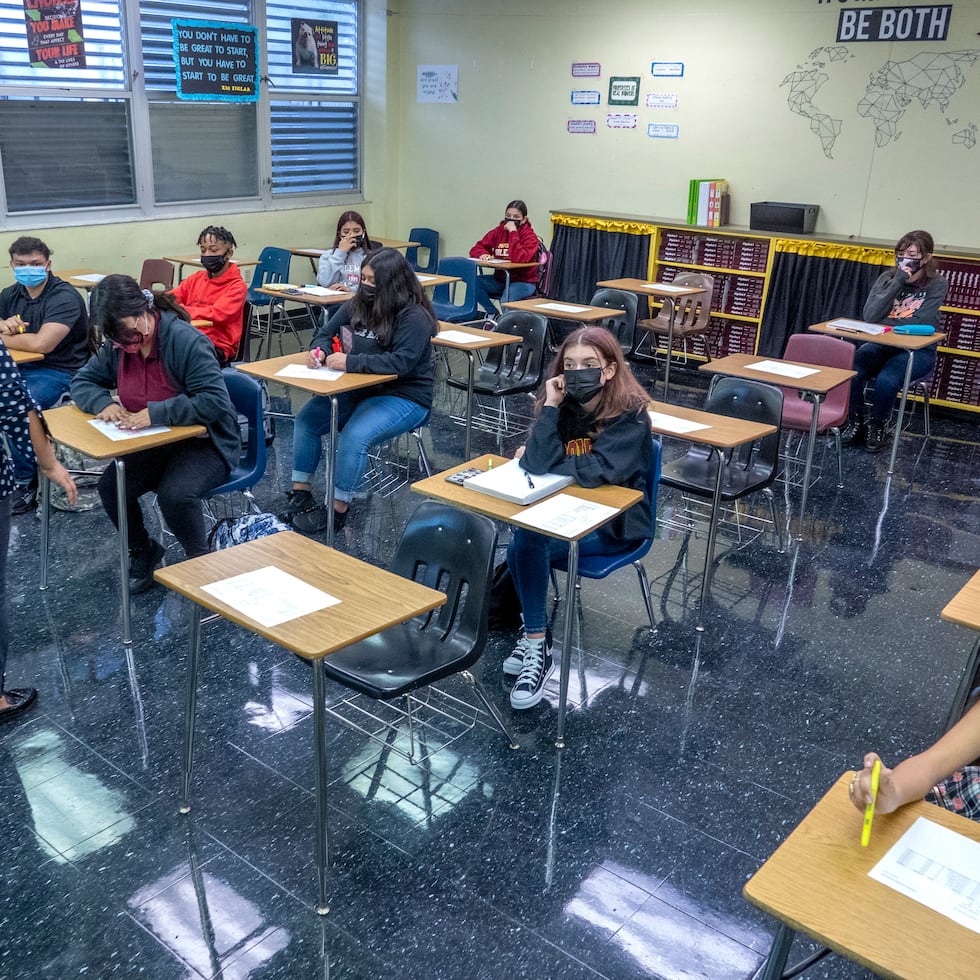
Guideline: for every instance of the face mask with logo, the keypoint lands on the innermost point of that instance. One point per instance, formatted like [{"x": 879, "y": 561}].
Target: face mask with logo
[
  {"x": 30, "y": 275},
  {"x": 214, "y": 263},
  {"x": 584, "y": 384},
  {"x": 911, "y": 266}
]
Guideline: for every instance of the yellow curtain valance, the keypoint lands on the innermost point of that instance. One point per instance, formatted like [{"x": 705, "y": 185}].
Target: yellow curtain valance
[
  {"x": 836, "y": 250},
  {"x": 604, "y": 224}
]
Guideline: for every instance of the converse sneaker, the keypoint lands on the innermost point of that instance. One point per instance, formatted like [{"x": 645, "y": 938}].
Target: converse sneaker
[
  {"x": 142, "y": 560},
  {"x": 514, "y": 664},
  {"x": 874, "y": 439},
  {"x": 538, "y": 667}
]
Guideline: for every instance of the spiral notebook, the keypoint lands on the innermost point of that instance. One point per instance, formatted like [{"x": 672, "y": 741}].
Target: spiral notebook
[{"x": 511, "y": 482}]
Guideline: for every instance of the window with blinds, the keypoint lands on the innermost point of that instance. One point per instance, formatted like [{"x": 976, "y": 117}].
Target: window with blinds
[{"x": 113, "y": 134}]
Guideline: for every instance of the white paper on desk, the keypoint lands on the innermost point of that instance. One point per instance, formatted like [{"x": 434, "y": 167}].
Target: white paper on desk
[
  {"x": 566, "y": 515},
  {"x": 786, "y": 370},
  {"x": 112, "y": 431},
  {"x": 856, "y": 326},
  {"x": 322, "y": 291},
  {"x": 935, "y": 867},
  {"x": 458, "y": 337},
  {"x": 311, "y": 374},
  {"x": 95, "y": 277},
  {"x": 667, "y": 287},
  {"x": 562, "y": 307},
  {"x": 270, "y": 596},
  {"x": 277, "y": 287},
  {"x": 424, "y": 278},
  {"x": 671, "y": 423},
  {"x": 489, "y": 261}
]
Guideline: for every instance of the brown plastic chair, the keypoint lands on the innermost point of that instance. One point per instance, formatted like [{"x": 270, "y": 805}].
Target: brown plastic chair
[
  {"x": 691, "y": 317},
  {"x": 157, "y": 275}
]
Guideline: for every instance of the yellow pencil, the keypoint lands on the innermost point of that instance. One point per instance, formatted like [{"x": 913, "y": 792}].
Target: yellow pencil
[{"x": 869, "y": 810}]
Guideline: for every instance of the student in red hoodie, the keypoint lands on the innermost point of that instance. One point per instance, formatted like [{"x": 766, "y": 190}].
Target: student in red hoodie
[
  {"x": 216, "y": 293},
  {"x": 514, "y": 240}
]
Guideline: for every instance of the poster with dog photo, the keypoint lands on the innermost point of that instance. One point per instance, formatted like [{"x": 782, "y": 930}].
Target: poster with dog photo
[{"x": 314, "y": 47}]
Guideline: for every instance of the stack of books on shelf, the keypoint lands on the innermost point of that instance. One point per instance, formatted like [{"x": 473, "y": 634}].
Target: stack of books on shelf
[{"x": 707, "y": 203}]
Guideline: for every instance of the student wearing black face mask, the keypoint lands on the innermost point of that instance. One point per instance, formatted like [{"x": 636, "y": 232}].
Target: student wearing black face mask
[
  {"x": 513, "y": 240},
  {"x": 386, "y": 328},
  {"x": 912, "y": 292},
  {"x": 592, "y": 425},
  {"x": 216, "y": 293}
]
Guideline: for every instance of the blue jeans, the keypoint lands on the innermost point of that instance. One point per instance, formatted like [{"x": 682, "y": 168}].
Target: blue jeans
[
  {"x": 529, "y": 557},
  {"x": 887, "y": 366},
  {"x": 362, "y": 422},
  {"x": 46, "y": 386},
  {"x": 488, "y": 288}
]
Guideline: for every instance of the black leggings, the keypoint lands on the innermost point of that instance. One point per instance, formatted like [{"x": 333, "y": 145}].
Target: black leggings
[{"x": 181, "y": 474}]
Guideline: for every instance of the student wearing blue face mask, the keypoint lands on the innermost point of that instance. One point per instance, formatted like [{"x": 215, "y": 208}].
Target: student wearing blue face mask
[
  {"x": 43, "y": 314},
  {"x": 591, "y": 425},
  {"x": 912, "y": 292}
]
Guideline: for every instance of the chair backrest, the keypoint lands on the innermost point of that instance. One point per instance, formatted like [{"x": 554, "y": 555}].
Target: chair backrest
[
  {"x": 428, "y": 241},
  {"x": 623, "y": 323},
  {"x": 451, "y": 550},
  {"x": 755, "y": 402},
  {"x": 273, "y": 267},
  {"x": 521, "y": 363},
  {"x": 157, "y": 275},
  {"x": 815, "y": 348},
  {"x": 450, "y": 303},
  {"x": 246, "y": 397},
  {"x": 693, "y": 312}
]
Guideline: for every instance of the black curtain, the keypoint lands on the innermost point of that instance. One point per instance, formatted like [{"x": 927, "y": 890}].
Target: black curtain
[
  {"x": 581, "y": 257},
  {"x": 805, "y": 289}
]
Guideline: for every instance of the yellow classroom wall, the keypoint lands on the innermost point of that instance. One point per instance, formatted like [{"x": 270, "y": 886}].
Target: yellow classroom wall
[{"x": 506, "y": 137}]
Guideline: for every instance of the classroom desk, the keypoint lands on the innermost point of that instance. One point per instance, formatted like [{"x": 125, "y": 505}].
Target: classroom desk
[
  {"x": 428, "y": 280},
  {"x": 817, "y": 883},
  {"x": 313, "y": 254},
  {"x": 181, "y": 260},
  {"x": 280, "y": 295},
  {"x": 619, "y": 498},
  {"x": 480, "y": 340},
  {"x": 964, "y": 610},
  {"x": 25, "y": 356},
  {"x": 906, "y": 342},
  {"x": 505, "y": 266},
  {"x": 86, "y": 279},
  {"x": 668, "y": 293},
  {"x": 371, "y": 600},
  {"x": 813, "y": 388},
  {"x": 348, "y": 381},
  {"x": 720, "y": 433},
  {"x": 579, "y": 312},
  {"x": 69, "y": 426}
]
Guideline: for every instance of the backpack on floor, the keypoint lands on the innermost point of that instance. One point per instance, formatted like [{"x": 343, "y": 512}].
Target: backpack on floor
[{"x": 230, "y": 531}]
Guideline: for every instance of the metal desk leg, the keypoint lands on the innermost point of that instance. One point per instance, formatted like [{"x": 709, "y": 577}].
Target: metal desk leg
[
  {"x": 566, "y": 640},
  {"x": 709, "y": 555},
  {"x": 775, "y": 963},
  {"x": 964, "y": 687},
  {"x": 190, "y": 705},
  {"x": 321, "y": 843},
  {"x": 45, "y": 527},
  {"x": 815, "y": 400},
  {"x": 330, "y": 465},
  {"x": 901, "y": 413},
  {"x": 670, "y": 344},
  {"x": 469, "y": 403},
  {"x": 127, "y": 629}
]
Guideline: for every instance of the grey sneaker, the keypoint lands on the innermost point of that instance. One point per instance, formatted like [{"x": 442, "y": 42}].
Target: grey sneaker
[{"x": 538, "y": 667}]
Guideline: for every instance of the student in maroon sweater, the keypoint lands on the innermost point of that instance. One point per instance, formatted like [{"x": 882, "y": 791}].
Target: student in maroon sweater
[{"x": 514, "y": 240}]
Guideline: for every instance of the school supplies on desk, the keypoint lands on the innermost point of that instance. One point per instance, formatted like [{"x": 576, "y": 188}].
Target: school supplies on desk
[
  {"x": 512, "y": 482},
  {"x": 915, "y": 329},
  {"x": 857, "y": 326}
]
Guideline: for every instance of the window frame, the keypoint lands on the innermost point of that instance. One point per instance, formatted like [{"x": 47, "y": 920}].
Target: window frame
[{"x": 138, "y": 98}]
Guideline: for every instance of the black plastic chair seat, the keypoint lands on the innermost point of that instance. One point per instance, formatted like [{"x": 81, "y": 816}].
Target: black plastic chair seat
[{"x": 696, "y": 475}]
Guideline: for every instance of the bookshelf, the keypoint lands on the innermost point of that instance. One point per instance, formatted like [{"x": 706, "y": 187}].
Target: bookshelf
[{"x": 956, "y": 382}]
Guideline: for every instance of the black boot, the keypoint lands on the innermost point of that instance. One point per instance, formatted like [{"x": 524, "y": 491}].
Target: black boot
[
  {"x": 143, "y": 559},
  {"x": 853, "y": 432}
]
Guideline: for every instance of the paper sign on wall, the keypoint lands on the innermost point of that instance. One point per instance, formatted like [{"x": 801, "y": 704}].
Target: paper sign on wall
[
  {"x": 586, "y": 69},
  {"x": 663, "y": 131},
  {"x": 581, "y": 126},
  {"x": 585, "y": 97},
  {"x": 437, "y": 83},
  {"x": 667, "y": 69},
  {"x": 621, "y": 120},
  {"x": 661, "y": 100}
]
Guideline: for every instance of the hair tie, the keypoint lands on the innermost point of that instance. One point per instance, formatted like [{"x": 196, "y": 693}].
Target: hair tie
[{"x": 148, "y": 296}]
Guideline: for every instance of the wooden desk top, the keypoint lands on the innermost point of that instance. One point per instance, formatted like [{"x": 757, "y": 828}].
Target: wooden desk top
[
  {"x": 371, "y": 599},
  {"x": 297, "y": 294},
  {"x": 739, "y": 366},
  {"x": 25, "y": 356},
  {"x": 482, "y": 338},
  {"x": 581, "y": 312},
  {"x": 905, "y": 341},
  {"x": 69, "y": 425},
  {"x": 652, "y": 288},
  {"x": 315, "y": 253},
  {"x": 428, "y": 279},
  {"x": 964, "y": 607},
  {"x": 723, "y": 432},
  {"x": 196, "y": 260},
  {"x": 502, "y": 263},
  {"x": 622, "y": 498},
  {"x": 817, "y": 882},
  {"x": 74, "y": 277},
  {"x": 348, "y": 381}
]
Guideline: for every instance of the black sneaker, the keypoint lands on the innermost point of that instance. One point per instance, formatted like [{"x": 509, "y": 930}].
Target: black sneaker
[
  {"x": 538, "y": 667},
  {"x": 25, "y": 497},
  {"x": 297, "y": 501},
  {"x": 310, "y": 521},
  {"x": 874, "y": 440},
  {"x": 853, "y": 433},
  {"x": 143, "y": 559}
]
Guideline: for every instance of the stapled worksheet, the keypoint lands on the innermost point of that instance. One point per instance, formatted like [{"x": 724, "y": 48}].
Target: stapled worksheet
[
  {"x": 311, "y": 374},
  {"x": 936, "y": 867},
  {"x": 786, "y": 370},
  {"x": 671, "y": 423},
  {"x": 112, "y": 431},
  {"x": 566, "y": 515},
  {"x": 270, "y": 596},
  {"x": 458, "y": 337}
]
